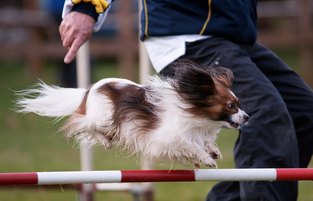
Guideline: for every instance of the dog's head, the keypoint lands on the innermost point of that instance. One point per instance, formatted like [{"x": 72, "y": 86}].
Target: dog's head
[{"x": 208, "y": 91}]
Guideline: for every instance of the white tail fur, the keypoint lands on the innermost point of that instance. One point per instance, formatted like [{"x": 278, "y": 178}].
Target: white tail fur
[{"x": 51, "y": 101}]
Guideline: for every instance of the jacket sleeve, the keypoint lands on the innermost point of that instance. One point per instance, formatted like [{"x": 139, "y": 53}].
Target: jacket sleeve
[{"x": 99, "y": 18}]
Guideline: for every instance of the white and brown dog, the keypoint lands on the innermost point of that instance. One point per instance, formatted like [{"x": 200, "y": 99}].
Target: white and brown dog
[{"x": 174, "y": 119}]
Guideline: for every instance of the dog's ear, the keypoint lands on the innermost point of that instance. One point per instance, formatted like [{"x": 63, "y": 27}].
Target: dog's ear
[
  {"x": 223, "y": 75},
  {"x": 192, "y": 81}
]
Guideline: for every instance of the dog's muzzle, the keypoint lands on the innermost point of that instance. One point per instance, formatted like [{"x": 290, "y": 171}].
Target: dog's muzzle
[{"x": 238, "y": 119}]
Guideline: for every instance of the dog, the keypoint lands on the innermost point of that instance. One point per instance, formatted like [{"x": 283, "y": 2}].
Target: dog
[{"x": 168, "y": 119}]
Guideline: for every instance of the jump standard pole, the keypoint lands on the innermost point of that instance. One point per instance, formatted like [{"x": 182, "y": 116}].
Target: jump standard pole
[{"x": 125, "y": 176}]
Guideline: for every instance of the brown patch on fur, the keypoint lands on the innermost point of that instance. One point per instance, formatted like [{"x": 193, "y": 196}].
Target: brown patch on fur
[
  {"x": 82, "y": 107},
  {"x": 131, "y": 104},
  {"x": 221, "y": 102}
]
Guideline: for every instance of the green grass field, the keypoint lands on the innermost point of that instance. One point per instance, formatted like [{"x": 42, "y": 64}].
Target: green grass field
[{"x": 31, "y": 143}]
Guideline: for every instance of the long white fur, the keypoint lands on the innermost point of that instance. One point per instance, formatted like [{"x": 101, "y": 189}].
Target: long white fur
[{"x": 52, "y": 101}]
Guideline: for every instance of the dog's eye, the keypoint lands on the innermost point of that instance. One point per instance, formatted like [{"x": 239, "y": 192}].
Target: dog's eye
[{"x": 231, "y": 106}]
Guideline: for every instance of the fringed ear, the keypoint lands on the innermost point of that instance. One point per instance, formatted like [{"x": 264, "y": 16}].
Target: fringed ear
[
  {"x": 223, "y": 75},
  {"x": 192, "y": 81}
]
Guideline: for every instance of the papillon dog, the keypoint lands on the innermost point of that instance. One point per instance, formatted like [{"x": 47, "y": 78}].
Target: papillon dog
[{"x": 173, "y": 118}]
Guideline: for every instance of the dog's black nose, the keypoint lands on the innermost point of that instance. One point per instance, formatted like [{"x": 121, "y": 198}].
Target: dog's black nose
[{"x": 246, "y": 117}]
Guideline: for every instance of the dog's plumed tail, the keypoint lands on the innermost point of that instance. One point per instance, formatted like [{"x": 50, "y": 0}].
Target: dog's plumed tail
[{"x": 50, "y": 101}]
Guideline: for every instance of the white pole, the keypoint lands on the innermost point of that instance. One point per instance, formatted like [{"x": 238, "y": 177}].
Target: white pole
[
  {"x": 77, "y": 177},
  {"x": 83, "y": 81},
  {"x": 266, "y": 174},
  {"x": 144, "y": 62},
  {"x": 144, "y": 72}
]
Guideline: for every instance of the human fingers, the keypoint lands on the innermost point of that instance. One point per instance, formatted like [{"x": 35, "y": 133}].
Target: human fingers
[
  {"x": 68, "y": 39},
  {"x": 65, "y": 28},
  {"x": 75, "y": 29},
  {"x": 73, "y": 50},
  {"x": 62, "y": 30}
]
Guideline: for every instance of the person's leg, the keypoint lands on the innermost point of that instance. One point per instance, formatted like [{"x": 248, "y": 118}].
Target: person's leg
[
  {"x": 269, "y": 138},
  {"x": 296, "y": 94},
  {"x": 67, "y": 75},
  {"x": 228, "y": 191}
]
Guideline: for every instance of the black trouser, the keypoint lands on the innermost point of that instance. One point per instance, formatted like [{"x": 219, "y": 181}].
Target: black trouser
[{"x": 280, "y": 130}]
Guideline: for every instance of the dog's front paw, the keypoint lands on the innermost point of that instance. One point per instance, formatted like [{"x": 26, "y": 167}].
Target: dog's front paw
[
  {"x": 214, "y": 152},
  {"x": 207, "y": 161},
  {"x": 210, "y": 162}
]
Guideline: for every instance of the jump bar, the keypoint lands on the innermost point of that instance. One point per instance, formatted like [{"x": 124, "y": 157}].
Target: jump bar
[{"x": 121, "y": 176}]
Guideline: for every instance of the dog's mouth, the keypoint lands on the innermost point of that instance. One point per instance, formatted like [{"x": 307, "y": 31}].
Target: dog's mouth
[
  {"x": 235, "y": 120},
  {"x": 234, "y": 124},
  {"x": 237, "y": 125}
]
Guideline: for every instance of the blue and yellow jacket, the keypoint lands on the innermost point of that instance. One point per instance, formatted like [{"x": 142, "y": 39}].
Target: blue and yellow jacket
[{"x": 231, "y": 19}]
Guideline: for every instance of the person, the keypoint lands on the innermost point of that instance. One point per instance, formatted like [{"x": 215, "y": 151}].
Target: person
[
  {"x": 224, "y": 33},
  {"x": 66, "y": 71}
]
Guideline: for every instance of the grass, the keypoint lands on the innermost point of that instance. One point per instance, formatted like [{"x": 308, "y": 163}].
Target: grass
[{"x": 30, "y": 143}]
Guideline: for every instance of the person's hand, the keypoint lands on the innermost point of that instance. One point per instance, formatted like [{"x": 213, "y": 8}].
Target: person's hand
[{"x": 75, "y": 29}]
